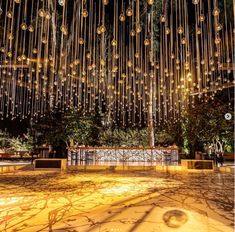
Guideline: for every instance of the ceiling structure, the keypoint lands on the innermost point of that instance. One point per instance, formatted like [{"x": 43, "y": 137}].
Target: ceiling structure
[{"x": 123, "y": 58}]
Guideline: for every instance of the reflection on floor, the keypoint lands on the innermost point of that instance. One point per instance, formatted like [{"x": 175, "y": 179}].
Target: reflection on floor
[{"x": 38, "y": 201}]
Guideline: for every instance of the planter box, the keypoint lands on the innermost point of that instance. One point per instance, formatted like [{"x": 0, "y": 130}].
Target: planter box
[
  {"x": 197, "y": 164},
  {"x": 50, "y": 164}
]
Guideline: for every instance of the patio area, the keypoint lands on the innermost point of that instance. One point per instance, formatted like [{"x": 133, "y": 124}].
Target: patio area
[{"x": 122, "y": 201}]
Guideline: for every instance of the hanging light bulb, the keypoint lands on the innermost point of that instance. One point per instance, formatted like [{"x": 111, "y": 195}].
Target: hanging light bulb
[
  {"x": 199, "y": 31},
  {"x": 168, "y": 30},
  {"x": 129, "y": 11},
  {"x": 98, "y": 30},
  {"x": 216, "y": 11},
  {"x": 114, "y": 42},
  {"x": 44, "y": 39},
  {"x": 132, "y": 33},
  {"x": 88, "y": 55},
  {"x": 17, "y": 1},
  {"x": 116, "y": 56},
  {"x": 146, "y": 42},
  {"x": 84, "y": 13},
  {"x": 24, "y": 26},
  {"x": 138, "y": 28},
  {"x": 195, "y": 2},
  {"x": 150, "y": 2},
  {"x": 2, "y": 49},
  {"x": 64, "y": 30},
  {"x": 41, "y": 13},
  {"x": 162, "y": 18},
  {"x": 217, "y": 40},
  {"x": 9, "y": 54},
  {"x": 61, "y": 2},
  {"x": 180, "y": 30},
  {"x": 35, "y": 51},
  {"x": 31, "y": 28},
  {"x": 81, "y": 41},
  {"x": 201, "y": 18},
  {"x": 10, "y": 36},
  {"x": 122, "y": 17},
  {"x": 105, "y": 2},
  {"x": 183, "y": 40},
  {"x": 219, "y": 27},
  {"x": 129, "y": 63},
  {"x": 9, "y": 14},
  {"x": 102, "y": 28},
  {"x": 47, "y": 15}
]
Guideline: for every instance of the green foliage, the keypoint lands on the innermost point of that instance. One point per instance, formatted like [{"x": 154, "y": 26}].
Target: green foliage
[
  {"x": 4, "y": 140},
  {"x": 21, "y": 144},
  {"x": 157, "y": 11},
  {"x": 205, "y": 124},
  {"x": 164, "y": 137},
  {"x": 70, "y": 128},
  {"x": 129, "y": 138},
  {"x": 8, "y": 143}
]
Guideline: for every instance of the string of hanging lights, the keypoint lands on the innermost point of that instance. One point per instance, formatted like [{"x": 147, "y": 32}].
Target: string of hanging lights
[{"x": 64, "y": 55}]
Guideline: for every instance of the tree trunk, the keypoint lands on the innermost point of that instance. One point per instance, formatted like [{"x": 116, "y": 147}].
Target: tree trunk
[{"x": 150, "y": 114}]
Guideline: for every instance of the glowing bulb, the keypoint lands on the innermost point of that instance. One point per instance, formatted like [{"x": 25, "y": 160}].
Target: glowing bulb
[
  {"x": 61, "y": 2},
  {"x": 98, "y": 30},
  {"x": 199, "y": 31},
  {"x": 183, "y": 40},
  {"x": 114, "y": 42},
  {"x": 217, "y": 40},
  {"x": 84, "y": 13},
  {"x": 105, "y": 2},
  {"x": 81, "y": 41},
  {"x": 2, "y": 49},
  {"x": 162, "y": 18},
  {"x": 23, "y": 26},
  {"x": 180, "y": 30},
  {"x": 47, "y": 15},
  {"x": 64, "y": 30},
  {"x": 132, "y": 33},
  {"x": 31, "y": 28},
  {"x": 146, "y": 42},
  {"x": 122, "y": 17},
  {"x": 219, "y": 27},
  {"x": 9, "y": 54},
  {"x": 168, "y": 30},
  {"x": 41, "y": 13},
  {"x": 201, "y": 18},
  {"x": 150, "y": 2},
  {"x": 35, "y": 51},
  {"x": 129, "y": 63},
  {"x": 102, "y": 28},
  {"x": 216, "y": 11},
  {"x": 9, "y": 14},
  {"x": 129, "y": 12},
  {"x": 10, "y": 36},
  {"x": 138, "y": 28},
  {"x": 195, "y": 2}
]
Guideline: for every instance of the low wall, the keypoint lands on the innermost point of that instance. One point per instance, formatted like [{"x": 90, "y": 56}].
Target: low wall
[
  {"x": 226, "y": 169},
  {"x": 124, "y": 168},
  {"x": 10, "y": 168}
]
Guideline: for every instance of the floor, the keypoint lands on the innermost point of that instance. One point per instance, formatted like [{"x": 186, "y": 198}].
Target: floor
[{"x": 122, "y": 202}]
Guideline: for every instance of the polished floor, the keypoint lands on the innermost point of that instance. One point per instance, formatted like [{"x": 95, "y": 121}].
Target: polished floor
[{"x": 44, "y": 201}]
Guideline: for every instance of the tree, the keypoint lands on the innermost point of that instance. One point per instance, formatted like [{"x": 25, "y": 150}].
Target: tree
[
  {"x": 205, "y": 124},
  {"x": 129, "y": 138},
  {"x": 70, "y": 127}
]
